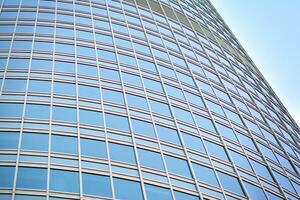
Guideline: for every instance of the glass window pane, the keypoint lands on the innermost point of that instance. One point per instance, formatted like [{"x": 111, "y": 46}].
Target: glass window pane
[
  {"x": 136, "y": 101},
  {"x": 184, "y": 196},
  {"x": 93, "y": 148},
  {"x": 117, "y": 122},
  {"x": 142, "y": 127},
  {"x": 127, "y": 190},
  {"x": 7, "y": 176},
  {"x": 150, "y": 159},
  {"x": 36, "y": 111},
  {"x": 205, "y": 174},
  {"x": 193, "y": 142},
  {"x": 90, "y": 117},
  {"x": 97, "y": 185},
  {"x": 64, "y": 114},
  {"x": 10, "y": 110},
  {"x": 69, "y": 182},
  {"x": 64, "y": 144},
  {"x": 255, "y": 193},
  {"x": 121, "y": 153},
  {"x": 32, "y": 178},
  {"x": 216, "y": 150},
  {"x": 34, "y": 141},
  {"x": 178, "y": 166},
  {"x": 113, "y": 96},
  {"x": 168, "y": 134},
  {"x": 230, "y": 183},
  {"x": 155, "y": 193},
  {"x": 9, "y": 140}
]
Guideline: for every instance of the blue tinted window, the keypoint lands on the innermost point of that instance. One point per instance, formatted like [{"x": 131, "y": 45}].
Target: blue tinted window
[
  {"x": 32, "y": 178},
  {"x": 64, "y": 88},
  {"x": 168, "y": 134},
  {"x": 97, "y": 185},
  {"x": 155, "y": 193},
  {"x": 11, "y": 110},
  {"x": 205, "y": 174},
  {"x": 14, "y": 85},
  {"x": 39, "y": 86},
  {"x": 240, "y": 160},
  {"x": 284, "y": 181},
  {"x": 87, "y": 70},
  {"x": 160, "y": 108},
  {"x": 121, "y": 153},
  {"x": 88, "y": 92},
  {"x": 194, "y": 99},
  {"x": 69, "y": 182},
  {"x": 127, "y": 190},
  {"x": 183, "y": 115},
  {"x": 136, "y": 101},
  {"x": 132, "y": 79},
  {"x": 142, "y": 127},
  {"x": 109, "y": 74},
  {"x": 108, "y": 55},
  {"x": 17, "y": 63},
  {"x": 90, "y": 117},
  {"x": 177, "y": 166},
  {"x": 37, "y": 111},
  {"x": 261, "y": 170},
  {"x": 193, "y": 142},
  {"x": 64, "y": 114},
  {"x": 93, "y": 148},
  {"x": 7, "y": 176},
  {"x": 66, "y": 67},
  {"x": 255, "y": 193},
  {"x": 64, "y": 144},
  {"x": 147, "y": 65},
  {"x": 117, "y": 122},
  {"x": 113, "y": 96},
  {"x": 247, "y": 141},
  {"x": 230, "y": 183},
  {"x": 41, "y": 65},
  {"x": 184, "y": 196},
  {"x": 9, "y": 140},
  {"x": 227, "y": 132},
  {"x": 153, "y": 85},
  {"x": 205, "y": 123},
  {"x": 40, "y": 141},
  {"x": 150, "y": 159},
  {"x": 216, "y": 150},
  {"x": 127, "y": 60}
]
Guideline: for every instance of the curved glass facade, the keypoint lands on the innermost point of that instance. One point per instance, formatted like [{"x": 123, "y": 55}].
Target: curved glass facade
[{"x": 136, "y": 100}]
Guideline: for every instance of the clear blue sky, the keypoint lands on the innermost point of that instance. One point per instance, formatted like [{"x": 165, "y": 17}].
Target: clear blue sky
[{"x": 269, "y": 30}]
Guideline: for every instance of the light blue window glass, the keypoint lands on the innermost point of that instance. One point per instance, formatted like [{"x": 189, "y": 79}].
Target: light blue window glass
[
  {"x": 32, "y": 178},
  {"x": 205, "y": 123},
  {"x": 168, "y": 134},
  {"x": 143, "y": 128},
  {"x": 113, "y": 96},
  {"x": 128, "y": 60},
  {"x": 122, "y": 153},
  {"x": 167, "y": 72},
  {"x": 204, "y": 86},
  {"x": 64, "y": 88},
  {"x": 193, "y": 142},
  {"x": 69, "y": 182},
  {"x": 137, "y": 102},
  {"x": 89, "y": 92},
  {"x": 86, "y": 51},
  {"x": 127, "y": 190},
  {"x": 18, "y": 63},
  {"x": 64, "y": 32},
  {"x": 214, "y": 107},
  {"x": 94, "y": 148},
  {"x": 248, "y": 142},
  {"x": 184, "y": 196},
  {"x": 150, "y": 159},
  {"x": 9, "y": 140},
  {"x": 90, "y": 117},
  {"x": 64, "y": 114},
  {"x": 178, "y": 166},
  {"x": 255, "y": 193},
  {"x": 226, "y": 132},
  {"x": 240, "y": 160},
  {"x": 65, "y": 48},
  {"x": 43, "y": 46},
  {"x": 194, "y": 99},
  {"x": 183, "y": 115},
  {"x": 230, "y": 183},
  {"x": 29, "y": 197},
  {"x": 96, "y": 185},
  {"x": 143, "y": 64},
  {"x": 123, "y": 43},
  {"x": 41, "y": 65},
  {"x": 7, "y": 176},
  {"x": 104, "y": 38},
  {"x": 67, "y": 67},
  {"x": 40, "y": 141},
  {"x": 216, "y": 150},
  {"x": 14, "y": 85},
  {"x": 107, "y": 55},
  {"x": 267, "y": 152},
  {"x": 153, "y": 85},
  {"x": 37, "y": 111},
  {"x": 39, "y": 86},
  {"x": 261, "y": 170},
  {"x": 160, "y": 108},
  {"x": 87, "y": 70},
  {"x": 117, "y": 122},
  {"x": 175, "y": 92},
  {"x": 140, "y": 47},
  {"x": 205, "y": 174},
  {"x": 109, "y": 74},
  {"x": 10, "y": 110},
  {"x": 64, "y": 144},
  {"x": 21, "y": 45},
  {"x": 155, "y": 193},
  {"x": 132, "y": 79},
  {"x": 286, "y": 163},
  {"x": 284, "y": 181},
  {"x": 233, "y": 116},
  {"x": 101, "y": 24}
]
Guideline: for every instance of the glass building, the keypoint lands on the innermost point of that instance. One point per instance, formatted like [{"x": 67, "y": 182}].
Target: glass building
[{"x": 136, "y": 100}]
